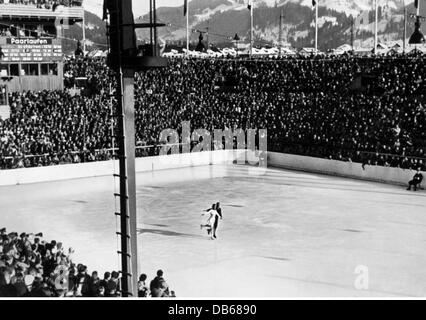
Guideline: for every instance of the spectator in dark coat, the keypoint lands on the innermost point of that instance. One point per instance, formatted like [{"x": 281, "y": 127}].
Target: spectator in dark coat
[
  {"x": 83, "y": 282},
  {"x": 104, "y": 283},
  {"x": 417, "y": 180},
  {"x": 158, "y": 286},
  {"x": 143, "y": 289},
  {"x": 113, "y": 286},
  {"x": 94, "y": 285}
]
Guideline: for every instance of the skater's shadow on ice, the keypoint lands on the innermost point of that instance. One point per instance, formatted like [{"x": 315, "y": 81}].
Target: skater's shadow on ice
[
  {"x": 276, "y": 258},
  {"x": 168, "y": 233},
  {"x": 79, "y": 201},
  {"x": 151, "y": 187}
]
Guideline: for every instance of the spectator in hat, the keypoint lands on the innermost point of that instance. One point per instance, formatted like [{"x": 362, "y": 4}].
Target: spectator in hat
[
  {"x": 417, "y": 180},
  {"x": 113, "y": 286},
  {"x": 7, "y": 289},
  {"x": 18, "y": 281},
  {"x": 158, "y": 286},
  {"x": 143, "y": 290},
  {"x": 83, "y": 282},
  {"x": 94, "y": 285},
  {"x": 104, "y": 282}
]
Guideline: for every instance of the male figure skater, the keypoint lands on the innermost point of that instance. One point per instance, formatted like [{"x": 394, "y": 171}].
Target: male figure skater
[{"x": 216, "y": 221}]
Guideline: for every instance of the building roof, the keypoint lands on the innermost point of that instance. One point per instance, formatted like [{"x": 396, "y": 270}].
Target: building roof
[{"x": 10, "y": 11}]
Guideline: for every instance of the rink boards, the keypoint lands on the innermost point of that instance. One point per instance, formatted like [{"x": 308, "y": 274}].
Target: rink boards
[{"x": 106, "y": 168}]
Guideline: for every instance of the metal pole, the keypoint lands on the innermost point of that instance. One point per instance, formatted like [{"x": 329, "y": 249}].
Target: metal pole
[
  {"x": 126, "y": 154},
  {"x": 405, "y": 29},
  {"x": 129, "y": 125},
  {"x": 207, "y": 35},
  {"x": 251, "y": 29},
  {"x": 84, "y": 33},
  {"x": 376, "y": 9},
  {"x": 187, "y": 28},
  {"x": 316, "y": 27},
  {"x": 112, "y": 120},
  {"x": 417, "y": 19},
  {"x": 280, "y": 40},
  {"x": 125, "y": 255},
  {"x": 125, "y": 283},
  {"x": 155, "y": 28},
  {"x": 151, "y": 37}
]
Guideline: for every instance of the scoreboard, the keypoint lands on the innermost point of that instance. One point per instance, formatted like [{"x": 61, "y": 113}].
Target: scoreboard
[{"x": 32, "y": 50}]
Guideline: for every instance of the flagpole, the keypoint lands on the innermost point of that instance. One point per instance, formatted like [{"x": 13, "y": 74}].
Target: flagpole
[
  {"x": 405, "y": 28},
  {"x": 316, "y": 27},
  {"x": 352, "y": 34},
  {"x": 375, "y": 26},
  {"x": 280, "y": 34},
  {"x": 84, "y": 33},
  {"x": 187, "y": 28},
  {"x": 251, "y": 28}
]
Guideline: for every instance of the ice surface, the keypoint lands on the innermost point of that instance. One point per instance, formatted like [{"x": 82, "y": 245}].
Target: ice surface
[{"x": 284, "y": 234}]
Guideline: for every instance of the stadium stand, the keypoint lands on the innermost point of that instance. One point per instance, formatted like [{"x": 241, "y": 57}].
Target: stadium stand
[
  {"x": 30, "y": 266},
  {"x": 44, "y": 3},
  {"x": 308, "y": 105}
]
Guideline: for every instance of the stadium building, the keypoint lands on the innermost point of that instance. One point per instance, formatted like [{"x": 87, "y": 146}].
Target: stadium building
[{"x": 31, "y": 43}]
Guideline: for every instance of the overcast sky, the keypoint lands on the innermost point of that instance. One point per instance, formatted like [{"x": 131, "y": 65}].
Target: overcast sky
[{"x": 140, "y": 7}]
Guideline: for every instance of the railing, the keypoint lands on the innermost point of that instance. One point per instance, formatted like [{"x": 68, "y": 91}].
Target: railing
[
  {"x": 350, "y": 155},
  {"x": 48, "y": 159},
  {"x": 319, "y": 151}
]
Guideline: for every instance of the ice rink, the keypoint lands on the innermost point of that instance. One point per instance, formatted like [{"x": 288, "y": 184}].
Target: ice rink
[{"x": 284, "y": 233}]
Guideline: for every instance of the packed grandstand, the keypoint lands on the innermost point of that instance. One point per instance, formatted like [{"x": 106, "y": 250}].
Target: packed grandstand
[
  {"x": 309, "y": 106},
  {"x": 45, "y": 3},
  {"x": 33, "y": 267}
]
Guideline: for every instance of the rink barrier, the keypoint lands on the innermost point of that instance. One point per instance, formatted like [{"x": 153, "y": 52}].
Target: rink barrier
[
  {"x": 352, "y": 170},
  {"x": 226, "y": 157},
  {"x": 105, "y": 168}
]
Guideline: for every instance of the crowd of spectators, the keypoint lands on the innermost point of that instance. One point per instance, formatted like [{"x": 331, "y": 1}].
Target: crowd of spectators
[
  {"x": 53, "y": 127},
  {"x": 33, "y": 267},
  {"x": 47, "y": 4},
  {"x": 308, "y": 105},
  {"x": 5, "y": 32}
]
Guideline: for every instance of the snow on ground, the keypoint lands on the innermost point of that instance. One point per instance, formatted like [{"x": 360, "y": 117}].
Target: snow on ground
[{"x": 284, "y": 234}]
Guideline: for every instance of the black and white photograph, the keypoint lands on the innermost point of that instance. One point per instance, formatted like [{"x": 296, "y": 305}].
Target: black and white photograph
[{"x": 178, "y": 150}]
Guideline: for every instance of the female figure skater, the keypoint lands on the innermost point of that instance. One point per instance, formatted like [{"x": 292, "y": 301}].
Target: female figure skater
[{"x": 210, "y": 221}]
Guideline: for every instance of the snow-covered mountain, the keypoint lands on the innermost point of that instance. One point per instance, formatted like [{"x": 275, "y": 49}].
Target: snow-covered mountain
[
  {"x": 225, "y": 18},
  {"x": 349, "y": 7}
]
